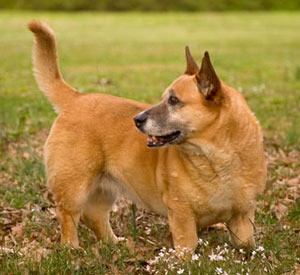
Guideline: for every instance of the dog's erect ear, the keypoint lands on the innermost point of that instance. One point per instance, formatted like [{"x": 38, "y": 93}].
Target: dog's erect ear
[
  {"x": 208, "y": 82},
  {"x": 191, "y": 65}
]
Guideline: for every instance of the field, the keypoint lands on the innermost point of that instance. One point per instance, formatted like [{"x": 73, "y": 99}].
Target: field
[{"x": 136, "y": 56}]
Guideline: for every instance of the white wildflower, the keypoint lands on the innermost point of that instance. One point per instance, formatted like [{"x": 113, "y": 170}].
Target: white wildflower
[
  {"x": 200, "y": 241},
  {"x": 121, "y": 239},
  {"x": 180, "y": 271},
  {"x": 253, "y": 253},
  {"x": 195, "y": 257},
  {"x": 216, "y": 257},
  {"x": 4, "y": 250},
  {"x": 171, "y": 250},
  {"x": 170, "y": 266},
  {"x": 220, "y": 258},
  {"x": 181, "y": 253},
  {"x": 153, "y": 262},
  {"x": 161, "y": 254},
  {"x": 224, "y": 251},
  {"x": 212, "y": 257},
  {"x": 260, "y": 248},
  {"x": 237, "y": 261},
  {"x": 219, "y": 270},
  {"x": 185, "y": 249},
  {"x": 148, "y": 231},
  {"x": 242, "y": 251}
]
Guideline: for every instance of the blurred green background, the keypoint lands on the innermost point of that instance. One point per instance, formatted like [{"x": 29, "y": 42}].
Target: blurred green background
[{"x": 151, "y": 5}]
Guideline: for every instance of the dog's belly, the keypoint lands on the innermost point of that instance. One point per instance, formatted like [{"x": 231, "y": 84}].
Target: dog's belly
[{"x": 129, "y": 189}]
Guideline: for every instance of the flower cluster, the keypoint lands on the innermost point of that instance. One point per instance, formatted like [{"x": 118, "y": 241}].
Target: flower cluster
[
  {"x": 167, "y": 259},
  {"x": 219, "y": 260}
]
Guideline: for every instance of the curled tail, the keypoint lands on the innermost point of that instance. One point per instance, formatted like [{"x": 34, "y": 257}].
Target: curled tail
[{"x": 46, "y": 68}]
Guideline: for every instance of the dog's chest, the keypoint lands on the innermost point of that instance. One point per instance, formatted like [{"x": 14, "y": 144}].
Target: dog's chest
[
  {"x": 209, "y": 189},
  {"x": 216, "y": 206}
]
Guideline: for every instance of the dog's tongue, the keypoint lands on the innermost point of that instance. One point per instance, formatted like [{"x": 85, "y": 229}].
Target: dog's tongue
[{"x": 153, "y": 141}]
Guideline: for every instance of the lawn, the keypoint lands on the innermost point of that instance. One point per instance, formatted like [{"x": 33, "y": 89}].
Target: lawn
[{"x": 136, "y": 56}]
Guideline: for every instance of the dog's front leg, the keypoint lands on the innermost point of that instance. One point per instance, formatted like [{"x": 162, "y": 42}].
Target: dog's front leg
[
  {"x": 183, "y": 227},
  {"x": 68, "y": 225},
  {"x": 241, "y": 229}
]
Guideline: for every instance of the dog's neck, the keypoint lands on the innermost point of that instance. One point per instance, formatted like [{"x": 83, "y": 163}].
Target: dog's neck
[
  {"x": 221, "y": 144},
  {"x": 209, "y": 150}
]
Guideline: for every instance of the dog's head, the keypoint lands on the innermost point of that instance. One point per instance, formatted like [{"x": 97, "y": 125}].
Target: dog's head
[{"x": 189, "y": 105}]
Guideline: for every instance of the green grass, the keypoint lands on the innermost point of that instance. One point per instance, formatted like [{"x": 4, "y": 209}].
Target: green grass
[{"x": 140, "y": 54}]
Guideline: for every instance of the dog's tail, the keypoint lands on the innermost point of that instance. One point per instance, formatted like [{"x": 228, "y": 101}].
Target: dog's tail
[{"x": 46, "y": 68}]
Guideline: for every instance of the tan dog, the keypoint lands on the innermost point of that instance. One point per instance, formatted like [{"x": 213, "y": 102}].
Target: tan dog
[{"x": 211, "y": 173}]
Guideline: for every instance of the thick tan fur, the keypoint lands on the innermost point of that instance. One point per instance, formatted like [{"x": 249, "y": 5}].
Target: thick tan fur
[{"x": 94, "y": 154}]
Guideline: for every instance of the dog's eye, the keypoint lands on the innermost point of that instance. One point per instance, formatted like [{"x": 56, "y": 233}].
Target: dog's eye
[{"x": 173, "y": 100}]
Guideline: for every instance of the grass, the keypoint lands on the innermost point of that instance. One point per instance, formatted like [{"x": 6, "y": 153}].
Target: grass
[{"x": 136, "y": 56}]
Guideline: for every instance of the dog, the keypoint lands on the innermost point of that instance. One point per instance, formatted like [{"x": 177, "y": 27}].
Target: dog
[{"x": 207, "y": 165}]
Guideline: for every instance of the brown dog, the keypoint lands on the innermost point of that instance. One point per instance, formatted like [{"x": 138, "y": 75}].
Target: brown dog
[{"x": 211, "y": 173}]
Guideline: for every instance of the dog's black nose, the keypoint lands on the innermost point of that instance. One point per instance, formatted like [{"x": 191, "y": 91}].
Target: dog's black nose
[{"x": 140, "y": 119}]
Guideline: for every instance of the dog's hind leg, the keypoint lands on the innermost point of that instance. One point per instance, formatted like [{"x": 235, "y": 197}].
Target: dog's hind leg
[
  {"x": 70, "y": 197},
  {"x": 96, "y": 215},
  {"x": 241, "y": 229},
  {"x": 70, "y": 190},
  {"x": 71, "y": 176}
]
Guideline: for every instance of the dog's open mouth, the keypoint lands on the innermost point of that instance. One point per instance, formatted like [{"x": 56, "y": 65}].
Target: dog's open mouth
[{"x": 158, "y": 141}]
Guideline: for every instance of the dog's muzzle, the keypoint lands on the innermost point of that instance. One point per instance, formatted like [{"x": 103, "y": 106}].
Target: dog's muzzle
[
  {"x": 140, "y": 120},
  {"x": 158, "y": 140}
]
